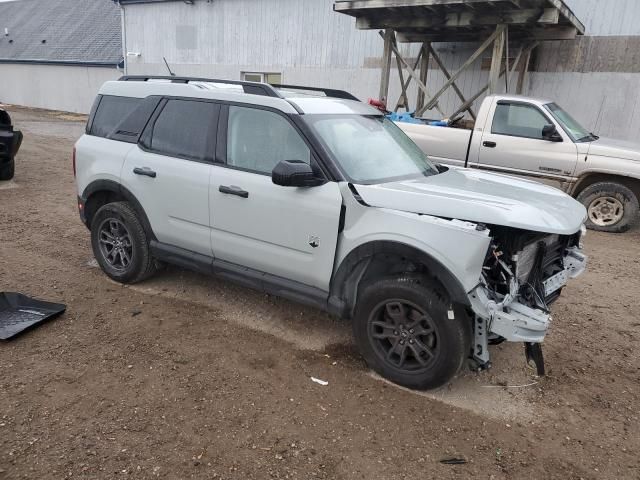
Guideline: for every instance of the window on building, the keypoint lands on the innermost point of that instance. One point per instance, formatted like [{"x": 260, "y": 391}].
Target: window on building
[
  {"x": 518, "y": 120},
  {"x": 185, "y": 129},
  {"x": 271, "y": 78},
  {"x": 257, "y": 140},
  {"x": 110, "y": 112}
]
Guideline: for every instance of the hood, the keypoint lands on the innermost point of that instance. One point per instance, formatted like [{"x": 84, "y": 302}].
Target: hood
[
  {"x": 479, "y": 197},
  {"x": 609, "y": 147}
]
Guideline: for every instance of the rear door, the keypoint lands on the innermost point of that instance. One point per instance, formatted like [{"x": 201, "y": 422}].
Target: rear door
[
  {"x": 288, "y": 232},
  {"x": 168, "y": 172},
  {"x": 513, "y": 144}
]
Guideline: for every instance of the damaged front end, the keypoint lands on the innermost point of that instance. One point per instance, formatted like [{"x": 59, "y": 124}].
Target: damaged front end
[{"x": 523, "y": 274}]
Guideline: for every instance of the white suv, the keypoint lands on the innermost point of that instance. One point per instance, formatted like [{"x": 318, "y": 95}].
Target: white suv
[{"x": 312, "y": 195}]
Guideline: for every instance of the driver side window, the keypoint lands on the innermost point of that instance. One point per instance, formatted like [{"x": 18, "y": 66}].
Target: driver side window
[
  {"x": 257, "y": 140},
  {"x": 518, "y": 120}
]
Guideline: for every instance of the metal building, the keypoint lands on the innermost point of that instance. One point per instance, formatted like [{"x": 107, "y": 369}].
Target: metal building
[
  {"x": 596, "y": 77},
  {"x": 55, "y": 54}
]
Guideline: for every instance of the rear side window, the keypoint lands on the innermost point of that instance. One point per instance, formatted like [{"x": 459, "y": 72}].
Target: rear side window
[
  {"x": 186, "y": 129},
  {"x": 518, "y": 120},
  {"x": 110, "y": 112}
]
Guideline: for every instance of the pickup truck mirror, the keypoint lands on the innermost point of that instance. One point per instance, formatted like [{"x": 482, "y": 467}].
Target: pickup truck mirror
[
  {"x": 550, "y": 133},
  {"x": 294, "y": 173}
]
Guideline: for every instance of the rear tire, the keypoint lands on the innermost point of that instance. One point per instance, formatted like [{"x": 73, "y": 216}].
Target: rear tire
[
  {"x": 120, "y": 244},
  {"x": 407, "y": 331},
  {"x": 8, "y": 170},
  {"x": 611, "y": 207}
]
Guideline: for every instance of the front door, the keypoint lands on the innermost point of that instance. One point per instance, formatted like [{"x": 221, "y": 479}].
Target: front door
[
  {"x": 288, "y": 232},
  {"x": 514, "y": 145},
  {"x": 169, "y": 171}
]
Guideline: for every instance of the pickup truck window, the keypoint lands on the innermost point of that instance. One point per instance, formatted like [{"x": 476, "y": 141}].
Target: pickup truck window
[
  {"x": 576, "y": 131},
  {"x": 370, "y": 149},
  {"x": 518, "y": 120}
]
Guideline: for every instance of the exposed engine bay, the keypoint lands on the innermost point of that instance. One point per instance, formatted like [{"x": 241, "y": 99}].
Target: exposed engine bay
[{"x": 522, "y": 275}]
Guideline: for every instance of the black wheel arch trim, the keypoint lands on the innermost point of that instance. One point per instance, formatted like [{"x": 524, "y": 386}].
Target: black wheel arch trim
[
  {"x": 344, "y": 284},
  {"x": 98, "y": 186}
]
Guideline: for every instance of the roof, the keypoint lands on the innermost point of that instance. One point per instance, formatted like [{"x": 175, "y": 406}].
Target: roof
[
  {"x": 71, "y": 32},
  {"x": 516, "y": 98},
  {"x": 215, "y": 90},
  {"x": 464, "y": 20}
]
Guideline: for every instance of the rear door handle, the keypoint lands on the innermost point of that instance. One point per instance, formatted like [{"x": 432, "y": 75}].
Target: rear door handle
[
  {"x": 146, "y": 171},
  {"x": 233, "y": 190},
  {"x": 489, "y": 144}
]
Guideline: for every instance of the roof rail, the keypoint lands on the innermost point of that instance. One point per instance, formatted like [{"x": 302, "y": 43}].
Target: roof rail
[
  {"x": 248, "y": 87},
  {"x": 329, "y": 92}
]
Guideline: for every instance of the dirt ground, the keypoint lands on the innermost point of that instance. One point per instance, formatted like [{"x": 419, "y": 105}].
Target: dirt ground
[{"x": 185, "y": 376}]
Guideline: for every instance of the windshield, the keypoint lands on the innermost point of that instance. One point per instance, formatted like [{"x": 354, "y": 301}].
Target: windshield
[
  {"x": 370, "y": 149},
  {"x": 576, "y": 131}
]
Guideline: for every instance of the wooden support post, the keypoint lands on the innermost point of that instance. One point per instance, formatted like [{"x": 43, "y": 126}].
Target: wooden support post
[
  {"x": 523, "y": 52},
  {"x": 413, "y": 75},
  {"x": 466, "y": 64},
  {"x": 407, "y": 82},
  {"x": 496, "y": 59},
  {"x": 507, "y": 78},
  {"x": 447, "y": 75},
  {"x": 403, "y": 101},
  {"x": 524, "y": 67},
  {"x": 386, "y": 65},
  {"x": 424, "y": 72}
]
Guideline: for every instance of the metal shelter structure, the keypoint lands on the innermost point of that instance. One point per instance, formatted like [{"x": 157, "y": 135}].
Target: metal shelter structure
[{"x": 499, "y": 25}]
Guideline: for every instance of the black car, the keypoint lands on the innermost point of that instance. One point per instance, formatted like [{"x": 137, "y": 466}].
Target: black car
[{"x": 10, "y": 141}]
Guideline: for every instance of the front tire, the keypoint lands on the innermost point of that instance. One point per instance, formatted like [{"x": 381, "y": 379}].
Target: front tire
[
  {"x": 8, "y": 170},
  {"x": 611, "y": 207},
  {"x": 120, "y": 244},
  {"x": 407, "y": 332}
]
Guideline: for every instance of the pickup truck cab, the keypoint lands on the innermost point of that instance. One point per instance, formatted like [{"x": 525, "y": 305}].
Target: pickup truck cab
[
  {"x": 311, "y": 195},
  {"x": 537, "y": 139}
]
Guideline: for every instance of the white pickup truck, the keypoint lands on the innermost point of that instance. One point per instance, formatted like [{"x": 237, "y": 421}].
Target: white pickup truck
[{"x": 536, "y": 138}]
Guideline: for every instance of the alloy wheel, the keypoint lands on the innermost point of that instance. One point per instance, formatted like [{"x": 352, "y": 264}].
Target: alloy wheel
[
  {"x": 605, "y": 211},
  {"x": 115, "y": 244},
  {"x": 404, "y": 335}
]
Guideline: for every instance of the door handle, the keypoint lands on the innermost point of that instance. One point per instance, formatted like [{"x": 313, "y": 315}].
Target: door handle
[
  {"x": 233, "y": 190},
  {"x": 489, "y": 144},
  {"x": 146, "y": 171}
]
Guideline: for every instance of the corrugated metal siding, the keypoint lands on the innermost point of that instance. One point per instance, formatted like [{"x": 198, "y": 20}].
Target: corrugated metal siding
[
  {"x": 310, "y": 44},
  {"x": 608, "y": 17},
  {"x": 314, "y": 46}
]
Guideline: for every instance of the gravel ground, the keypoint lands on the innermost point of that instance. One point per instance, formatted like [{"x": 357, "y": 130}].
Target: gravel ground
[{"x": 185, "y": 376}]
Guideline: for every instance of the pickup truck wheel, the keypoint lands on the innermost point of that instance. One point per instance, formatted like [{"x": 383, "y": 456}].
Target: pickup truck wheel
[
  {"x": 611, "y": 207},
  {"x": 7, "y": 171},
  {"x": 406, "y": 331},
  {"x": 120, "y": 243}
]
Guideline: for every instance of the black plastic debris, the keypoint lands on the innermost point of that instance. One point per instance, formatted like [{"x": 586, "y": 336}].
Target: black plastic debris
[
  {"x": 19, "y": 313},
  {"x": 453, "y": 461}
]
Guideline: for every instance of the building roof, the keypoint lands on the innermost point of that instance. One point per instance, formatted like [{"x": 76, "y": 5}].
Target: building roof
[
  {"x": 71, "y": 32},
  {"x": 464, "y": 20}
]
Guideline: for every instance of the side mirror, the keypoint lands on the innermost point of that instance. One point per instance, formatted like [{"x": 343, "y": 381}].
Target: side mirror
[
  {"x": 294, "y": 173},
  {"x": 550, "y": 133}
]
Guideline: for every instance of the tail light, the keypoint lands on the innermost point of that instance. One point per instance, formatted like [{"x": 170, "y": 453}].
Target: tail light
[{"x": 74, "y": 162}]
